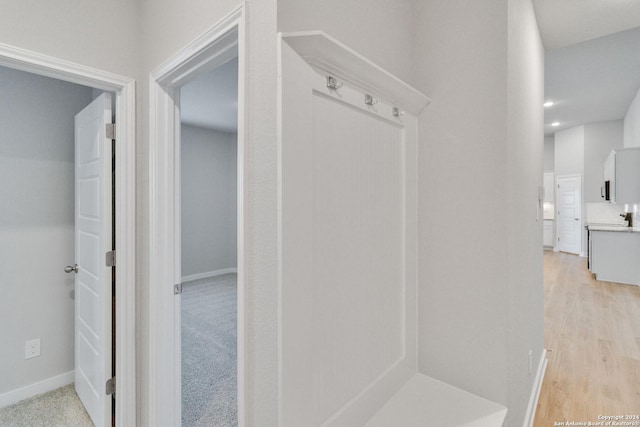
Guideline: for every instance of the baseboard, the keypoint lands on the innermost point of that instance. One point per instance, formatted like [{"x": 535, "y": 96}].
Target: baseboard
[
  {"x": 14, "y": 396},
  {"x": 535, "y": 391},
  {"x": 208, "y": 274}
]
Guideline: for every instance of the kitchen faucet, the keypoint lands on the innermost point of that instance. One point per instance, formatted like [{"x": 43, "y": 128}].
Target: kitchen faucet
[{"x": 628, "y": 216}]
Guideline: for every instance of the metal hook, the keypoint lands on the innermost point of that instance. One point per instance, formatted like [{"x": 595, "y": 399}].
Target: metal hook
[
  {"x": 333, "y": 83},
  {"x": 370, "y": 100}
]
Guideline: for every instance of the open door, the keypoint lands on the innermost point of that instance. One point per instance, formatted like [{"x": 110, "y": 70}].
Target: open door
[{"x": 93, "y": 239}]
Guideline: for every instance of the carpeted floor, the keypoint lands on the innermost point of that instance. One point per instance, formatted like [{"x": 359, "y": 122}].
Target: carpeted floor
[
  {"x": 209, "y": 352},
  {"x": 57, "y": 408}
]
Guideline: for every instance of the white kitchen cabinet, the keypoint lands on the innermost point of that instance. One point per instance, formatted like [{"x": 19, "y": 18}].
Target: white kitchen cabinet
[
  {"x": 615, "y": 256},
  {"x": 608, "y": 191},
  {"x": 622, "y": 173},
  {"x": 549, "y": 185},
  {"x": 547, "y": 236}
]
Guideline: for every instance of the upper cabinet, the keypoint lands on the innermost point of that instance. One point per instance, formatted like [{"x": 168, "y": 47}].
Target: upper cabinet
[{"x": 622, "y": 176}]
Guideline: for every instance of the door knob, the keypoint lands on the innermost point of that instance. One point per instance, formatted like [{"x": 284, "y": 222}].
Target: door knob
[{"x": 69, "y": 269}]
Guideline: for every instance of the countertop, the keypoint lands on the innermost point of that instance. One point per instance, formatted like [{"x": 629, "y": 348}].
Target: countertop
[{"x": 613, "y": 227}]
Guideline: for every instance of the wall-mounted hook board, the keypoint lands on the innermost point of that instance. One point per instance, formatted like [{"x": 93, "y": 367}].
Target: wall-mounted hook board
[{"x": 324, "y": 52}]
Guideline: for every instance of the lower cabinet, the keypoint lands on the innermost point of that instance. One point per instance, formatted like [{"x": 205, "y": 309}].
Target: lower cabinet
[
  {"x": 615, "y": 256},
  {"x": 547, "y": 234}
]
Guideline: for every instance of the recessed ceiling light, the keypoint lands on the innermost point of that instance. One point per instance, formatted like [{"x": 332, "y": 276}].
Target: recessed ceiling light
[
  {"x": 548, "y": 104},
  {"x": 554, "y": 124}
]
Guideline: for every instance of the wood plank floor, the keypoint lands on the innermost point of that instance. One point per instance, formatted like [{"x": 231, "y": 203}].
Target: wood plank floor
[{"x": 593, "y": 331}]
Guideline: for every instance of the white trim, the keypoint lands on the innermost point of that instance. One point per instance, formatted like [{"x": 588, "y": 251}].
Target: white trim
[
  {"x": 323, "y": 51},
  {"x": 124, "y": 89},
  {"x": 15, "y": 396},
  {"x": 213, "y": 48},
  {"x": 43, "y": 65},
  {"x": 208, "y": 274},
  {"x": 535, "y": 391}
]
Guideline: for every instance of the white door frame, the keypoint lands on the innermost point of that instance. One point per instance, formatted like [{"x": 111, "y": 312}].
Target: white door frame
[
  {"x": 124, "y": 88},
  {"x": 556, "y": 247},
  {"x": 202, "y": 55}
]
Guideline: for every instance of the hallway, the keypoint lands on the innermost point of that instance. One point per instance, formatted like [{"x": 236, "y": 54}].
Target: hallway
[{"x": 592, "y": 332}]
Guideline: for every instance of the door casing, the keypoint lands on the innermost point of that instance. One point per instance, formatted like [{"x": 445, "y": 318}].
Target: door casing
[
  {"x": 124, "y": 89},
  {"x": 202, "y": 55}
]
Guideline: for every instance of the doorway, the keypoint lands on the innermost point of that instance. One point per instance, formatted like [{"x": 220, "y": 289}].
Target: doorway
[
  {"x": 569, "y": 213},
  {"x": 57, "y": 184},
  {"x": 38, "y": 219},
  {"x": 220, "y": 45},
  {"x": 208, "y": 249}
]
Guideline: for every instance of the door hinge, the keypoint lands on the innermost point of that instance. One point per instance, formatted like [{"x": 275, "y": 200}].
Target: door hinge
[
  {"x": 110, "y": 258},
  {"x": 177, "y": 289},
  {"x": 111, "y": 386},
  {"x": 111, "y": 130}
]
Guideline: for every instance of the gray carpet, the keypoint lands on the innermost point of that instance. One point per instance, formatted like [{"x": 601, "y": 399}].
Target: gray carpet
[
  {"x": 209, "y": 352},
  {"x": 57, "y": 408}
]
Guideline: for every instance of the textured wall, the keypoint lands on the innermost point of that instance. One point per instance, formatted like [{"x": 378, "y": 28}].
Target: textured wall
[
  {"x": 632, "y": 124},
  {"x": 525, "y": 144},
  {"x": 36, "y": 224},
  {"x": 461, "y": 63},
  {"x": 380, "y": 30},
  {"x": 209, "y": 200}
]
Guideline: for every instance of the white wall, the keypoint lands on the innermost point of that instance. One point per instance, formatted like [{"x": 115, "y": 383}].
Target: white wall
[
  {"x": 481, "y": 63},
  {"x": 569, "y": 151},
  {"x": 36, "y": 224},
  {"x": 209, "y": 200},
  {"x": 378, "y": 29},
  {"x": 549, "y": 155},
  {"x": 525, "y": 136},
  {"x": 104, "y": 35},
  {"x": 632, "y": 123},
  {"x": 460, "y": 57}
]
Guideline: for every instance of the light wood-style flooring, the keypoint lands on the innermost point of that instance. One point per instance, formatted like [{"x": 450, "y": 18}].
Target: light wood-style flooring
[{"x": 593, "y": 331}]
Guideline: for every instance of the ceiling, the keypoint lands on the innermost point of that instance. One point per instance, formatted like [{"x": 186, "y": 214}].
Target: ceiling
[
  {"x": 567, "y": 22},
  {"x": 592, "y": 61},
  {"x": 211, "y": 101},
  {"x": 593, "y": 81}
]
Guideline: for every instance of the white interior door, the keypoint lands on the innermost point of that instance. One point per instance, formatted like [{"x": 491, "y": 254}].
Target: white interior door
[
  {"x": 569, "y": 218},
  {"x": 93, "y": 239}
]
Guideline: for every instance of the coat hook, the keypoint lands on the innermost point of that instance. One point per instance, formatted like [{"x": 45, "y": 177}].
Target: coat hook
[
  {"x": 370, "y": 100},
  {"x": 333, "y": 83},
  {"x": 397, "y": 112}
]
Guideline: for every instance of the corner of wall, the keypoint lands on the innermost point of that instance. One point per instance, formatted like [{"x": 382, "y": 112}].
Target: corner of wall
[{"x": 632, "y": 123}]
